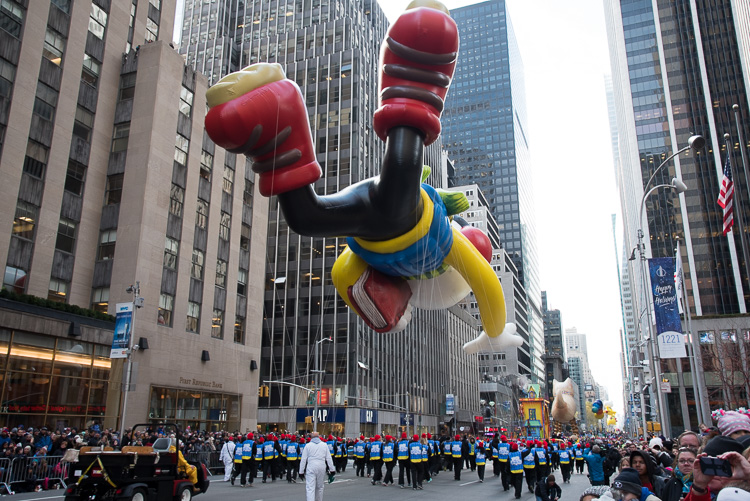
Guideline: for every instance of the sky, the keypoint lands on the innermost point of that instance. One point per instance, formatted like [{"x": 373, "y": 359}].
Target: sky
[
  {"x": 565, "y": 55},
  {"x": 564, "y": 50}
]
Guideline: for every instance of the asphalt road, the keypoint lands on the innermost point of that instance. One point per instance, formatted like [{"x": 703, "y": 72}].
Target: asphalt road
[{"x": 347, "y": 487}]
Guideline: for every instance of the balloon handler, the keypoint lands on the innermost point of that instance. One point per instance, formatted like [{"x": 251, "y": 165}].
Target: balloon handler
[
  {"x": 190, "y": 471},
  {"x": 403, "y": 248}
]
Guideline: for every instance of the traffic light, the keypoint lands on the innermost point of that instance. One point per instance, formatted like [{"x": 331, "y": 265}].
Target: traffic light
[
  {"x": 263, "y": 391},
  {"x": 260, "y": 391},
  {"x": 346, "y": 403}
]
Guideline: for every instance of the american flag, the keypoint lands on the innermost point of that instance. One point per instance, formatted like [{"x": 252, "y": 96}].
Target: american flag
[{"x": 726, "y": 194}]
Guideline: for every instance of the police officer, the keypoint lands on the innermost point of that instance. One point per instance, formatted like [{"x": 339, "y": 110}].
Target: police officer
[
  {"x": 292, "y": 457},
  {"x": 402, "y": 455},
  {"x": 457, "y": 453},
  {"x": 249, "y": 449},
  {"x": 415, "y": 457},
  {"x": 529, "y": 465},
  {"x": 515, "y": 467},
  {"x": 389, "y": 459},
  {"x": 376, "y": 458}
]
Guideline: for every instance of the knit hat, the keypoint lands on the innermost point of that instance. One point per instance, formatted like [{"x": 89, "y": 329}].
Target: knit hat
[
  {"x": 403, "y": 435},
  {"x": 721, "y": 444},
  {"x": 595, "y": 490},
  {"x": 429, "y": 436},
  {"x": 655, "y": 442},
  {"x": 503, "y": 438},
  {"x": 514, "y": 447},
  {"x": 377, "y": 437},
  {"x": 456, "y": 438},
  {"x": 733, "y": 421},
  {"x": 249, "y": 436},
  {"x": 628, "y": 481},
  {"x": 733, "y": 494},
  {"x": 415, "y": 438}
]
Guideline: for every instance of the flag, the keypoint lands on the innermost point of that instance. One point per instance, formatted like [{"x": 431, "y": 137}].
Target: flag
[
  {"x": 726, "y": 194},
  {"x": 678, "y": 276}
]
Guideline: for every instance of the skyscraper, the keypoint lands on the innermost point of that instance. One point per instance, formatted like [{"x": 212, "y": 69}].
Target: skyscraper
[
  {"x": 485, "y": 134},
  {"x": 111, "y": 196},
  {"x": 331, "y": 50},
  {"x": 555, "y": 362},
  {"x": 678, "y": 71}
]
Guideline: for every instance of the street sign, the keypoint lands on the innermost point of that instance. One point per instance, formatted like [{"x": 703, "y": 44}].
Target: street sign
[{"x": 665, "y": 387}]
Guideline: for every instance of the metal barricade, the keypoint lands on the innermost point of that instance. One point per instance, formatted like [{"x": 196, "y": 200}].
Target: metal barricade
[
  {"x": 208, "y": 458},
  {"x": 45, "y": 471},
  {"x": 5, "y": 470}
]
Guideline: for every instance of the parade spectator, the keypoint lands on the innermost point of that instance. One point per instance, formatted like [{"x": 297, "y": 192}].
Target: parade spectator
[
  {"x": 547, "y": 489},
  {"x": 642, "y": 463},
  {"x": 594, "y": 492},
  {"x": 595, "y": 463},
  {"x": 678, "y": 486},
  {"x": 734, "y": 424}
]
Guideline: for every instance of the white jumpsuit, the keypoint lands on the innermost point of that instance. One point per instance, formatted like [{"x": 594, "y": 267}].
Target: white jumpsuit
[
  {"x": 315, "y": 463},
  {"x": 227, "y": 457}
]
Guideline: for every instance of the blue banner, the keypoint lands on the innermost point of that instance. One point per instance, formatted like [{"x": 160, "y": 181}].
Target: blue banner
[
  {"x": 123, "y": 326},
  {"x": 665, "y": 299},
  {"x": 450, "y": 404},
  {"x": 666, "y": 310}
]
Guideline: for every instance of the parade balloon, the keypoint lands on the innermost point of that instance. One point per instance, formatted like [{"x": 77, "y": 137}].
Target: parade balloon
[
  {"x": 597, "y": 407},
  {"x": 402, "y": 249},
  {"x": 564, "y": 405}
]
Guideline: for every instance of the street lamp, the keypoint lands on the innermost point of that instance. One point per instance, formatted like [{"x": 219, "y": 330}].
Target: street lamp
[
  {"x": 695, "y": 143},
  {"x": 318, "y": 378},
  {"x": 138, "y": 301}
]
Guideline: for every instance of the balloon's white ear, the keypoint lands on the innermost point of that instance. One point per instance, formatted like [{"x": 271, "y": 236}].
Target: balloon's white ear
[{"x": 507, "y": 339}]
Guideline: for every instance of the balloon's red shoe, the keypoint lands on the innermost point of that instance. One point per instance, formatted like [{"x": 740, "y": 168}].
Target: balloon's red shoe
[{"x": 417, "y": 61}]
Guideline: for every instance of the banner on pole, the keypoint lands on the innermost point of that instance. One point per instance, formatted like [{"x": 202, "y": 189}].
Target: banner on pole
[
  {"x": 123, "y": 326},
  {"x": 667, "y": 317},
  {"x": 450, "y": 404}
]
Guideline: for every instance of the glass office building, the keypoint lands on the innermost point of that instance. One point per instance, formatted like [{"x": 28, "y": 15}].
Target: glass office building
[
  {"x": 676, "y": 72},
  {"x": 485, "y": 134}
]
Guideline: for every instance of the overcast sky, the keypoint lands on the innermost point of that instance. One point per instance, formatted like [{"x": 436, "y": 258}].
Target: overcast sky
[{"x": 564, "y": 50}]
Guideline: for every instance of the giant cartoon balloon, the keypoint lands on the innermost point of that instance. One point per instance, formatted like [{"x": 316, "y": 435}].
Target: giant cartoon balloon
[
  {"x": 597, "y": 407},
  {"x": 611, "y": 419},
  {"x": 564, "y": 406},
  {"x": 401, "y": 244}
]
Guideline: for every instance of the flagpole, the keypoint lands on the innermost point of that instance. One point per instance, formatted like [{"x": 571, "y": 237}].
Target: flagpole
[
  {"x": 737, "y": 202},
  {"x": 696, "y": 362},
  {"x": 743, "y": 153}
]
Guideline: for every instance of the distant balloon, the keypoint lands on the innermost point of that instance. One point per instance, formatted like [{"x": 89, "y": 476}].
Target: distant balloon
[{"x": 564, "y": 405}]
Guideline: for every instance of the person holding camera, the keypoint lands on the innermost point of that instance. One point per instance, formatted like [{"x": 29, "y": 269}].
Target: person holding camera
[{"x": 720, "y": 463}]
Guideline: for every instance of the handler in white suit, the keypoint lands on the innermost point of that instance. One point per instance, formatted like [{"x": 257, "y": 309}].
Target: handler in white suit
[
  {"x": 227, "y": 457},
  {"x": 314, "y": 465}
]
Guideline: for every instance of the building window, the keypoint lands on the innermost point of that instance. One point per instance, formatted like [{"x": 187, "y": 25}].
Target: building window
[
  {"x": 45, "y": 101},
  {"x": 83, "y": 124},
  {"x": 11, "y": 17},
  {"x": 176, "y": 199},
  {"x": 58, "y": 291},
  {"x": 14, "y": 279},
  {"x": 166, "y": 305},
  {"x": 120, "y": 137},
  {"x": 171, "y": 249},
  {"x": 239, "y": 330},
  {"x": 97, "y": 21},
  {"x": 113, "y": 194},
  {"x": 217, "y": 324},
  {"x": 221, "y": 273},
  {"x": 107, "y": 241},
  {"x": 224, "y": 225},
  {"x": 63, "y": 5},
  {"x": 207, "y": 165},
  {"x": 152, "y": 30},
  {"x": 201, "y": 214},
  {"x": 182, "y": 144},
  {"x": 245, "y": 237},
  {"x": 100, "y": 299},
  {"x": 193, "y": 317},
  {"x": 241, "y": 282},
  {"x": 228, "y": 185},
  {"x": 186, "y": 102},
  {"x": 196, "y": 270},
  {"x": 7, "y": 77},
  {"x": 54, "y": 46},
  {"x": 127, "y": 87},
  {"x": 75, "y": 177},
  {"x": 25, "y": 220},
  {"x": 66, "y": 235},
  {"x": 91, "y": 70}
]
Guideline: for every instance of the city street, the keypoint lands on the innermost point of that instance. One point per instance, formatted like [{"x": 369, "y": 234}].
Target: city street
[{"x": 347, "y": 487}]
